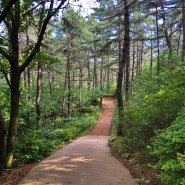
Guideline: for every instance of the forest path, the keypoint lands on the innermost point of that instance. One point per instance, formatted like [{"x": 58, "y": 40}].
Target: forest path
[{"x": 85, "y": 161}]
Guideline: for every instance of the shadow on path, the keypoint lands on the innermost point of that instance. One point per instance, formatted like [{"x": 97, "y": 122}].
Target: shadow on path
[{"x": 85, "y": 161}]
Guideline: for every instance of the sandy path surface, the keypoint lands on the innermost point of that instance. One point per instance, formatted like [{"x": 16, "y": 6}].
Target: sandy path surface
[{"x": 85, "y": 161}]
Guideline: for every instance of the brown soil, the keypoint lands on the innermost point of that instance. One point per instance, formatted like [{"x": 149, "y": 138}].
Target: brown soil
[
  {"x": 103, "y": 125},
  {"x": 12, "y": 177}
]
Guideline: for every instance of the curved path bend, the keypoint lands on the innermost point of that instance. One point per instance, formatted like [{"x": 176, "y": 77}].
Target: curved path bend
[{"x": 85, "y": 161}]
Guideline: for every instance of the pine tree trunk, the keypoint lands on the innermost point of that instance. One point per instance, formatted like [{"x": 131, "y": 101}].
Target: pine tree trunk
[
  {"x": 50, "y": 81},
  {"x": 183, "y": 26},
  {"x": 101, "y": 75},
  {"x": 126, "y": 51},
  {"x": 120, "y": 78},
  {"x": 151, "y": 56},
  {"x": 158, "y": 49},
  {"x": 64, "y": 93},
  {"x": 95, "y": 79},
  {"x": 69, "y": 76},
  {"x": 2, "y": 143},
  {"x": 38, "y": 95},
  {"x": 122, "y": 63},
  {"x": 88, "y": 74},
  {"x": 133, "y": 67},
  {"x": 80, "y": 85}
]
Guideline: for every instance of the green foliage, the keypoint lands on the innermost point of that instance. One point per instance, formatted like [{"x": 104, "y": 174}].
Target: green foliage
[
  {"x": 167, "y": 147},
  {"x": 33, "y": 145},
  {"x": 32, "y": 148},
  {"x": 153, "y": 107},
  {"x": 153, "y": 124},
  {"x": 65, "y": 134},
  {"x": 118, "y": 147}
]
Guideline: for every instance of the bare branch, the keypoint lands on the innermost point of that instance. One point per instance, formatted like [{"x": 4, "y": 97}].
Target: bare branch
[
  {"x": 51, "y": 13},
  {"x": 5, "y": 11}
]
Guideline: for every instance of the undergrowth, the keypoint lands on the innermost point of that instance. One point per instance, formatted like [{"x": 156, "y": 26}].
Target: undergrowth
[
  {"x": 34, "y": 145},
  {"x": 153, "y": 125}
]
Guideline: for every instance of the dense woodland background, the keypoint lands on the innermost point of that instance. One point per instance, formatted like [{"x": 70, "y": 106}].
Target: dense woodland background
[{"x": 56, "y": 64}]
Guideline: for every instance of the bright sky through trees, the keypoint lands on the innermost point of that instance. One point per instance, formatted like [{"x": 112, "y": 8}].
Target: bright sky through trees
[{"x": 85, "y": 6}]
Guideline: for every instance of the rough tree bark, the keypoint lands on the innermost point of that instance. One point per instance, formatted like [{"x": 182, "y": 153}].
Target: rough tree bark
[
  {"x": 69, "y": 75},
  {"x": 2, "y": 143},
  {"x": 4, "y": 13},
  {"x": 38, "y": 94},
  {"x": 15, "y": 82},
  {"x": 95, "y": 78},
  {"x": 158, "y": 49},
  {"x": 183, "y": 27},
  {"x": 88, "y": 73},
  {"x": 124, "y": 60}
]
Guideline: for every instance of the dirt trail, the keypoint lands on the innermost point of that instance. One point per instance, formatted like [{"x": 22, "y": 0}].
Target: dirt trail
[{"x": 86, "y": 161}]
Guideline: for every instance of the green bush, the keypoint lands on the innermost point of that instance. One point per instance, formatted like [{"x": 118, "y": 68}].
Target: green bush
[
  {"x": 167, "y": 147},
  {"x": 32, "y": 148},
  {"x": 153, "y": 108},
  {"x": 65, "y": 134}
]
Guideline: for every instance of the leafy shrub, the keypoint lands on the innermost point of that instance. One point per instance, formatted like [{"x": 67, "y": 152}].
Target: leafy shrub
[
  {"x": 32, "y": 148},
  {"x": 152, "y": 109},
  {"x": 65, "y": 134},
  {"x": 167, "y": 147}
]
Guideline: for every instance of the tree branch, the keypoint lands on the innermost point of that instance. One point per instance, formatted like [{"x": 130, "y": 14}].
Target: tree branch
[
  {"x": 4, "y": 53},
  {"x": 50, "y": 14},
  {"x": 5, "y": 75},
  {"x": 5, "y": 11}
]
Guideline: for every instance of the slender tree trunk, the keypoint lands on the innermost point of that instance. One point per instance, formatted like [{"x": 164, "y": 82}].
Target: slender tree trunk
[
  {"x": 69, "y": 77},
  {"x": 27, "y": 71},
  {"x": 15, "y": 82},
  {"x": 151, "y": 56},
  {"x": 119, "y": 94},
  {"x": 29, "y": 82},
  {"x": 127, "y": 80},
  {"x": 38, "y": 95},
  {"x": 88, "y": 74},
  {"x": 39, "y": 74},
  {"x": 108, "y": 77},
  {"x": 183, "y": 27},
  {"x": 126, "y": 51},
  {"x": 80, "y": 85},
  {"x": 95, "y": 81},
  {"x": 137, "y": 69},
  {"x": 50, "y": 81},
  {"x": 133, "y": 67},
  {"x": 167, "y": 37},
  {"x": 2, "y": 143},
  {"x": 179, "y": 40},
  {"x": 124, "y": 61},
  {"x": 101, "y": 75},
  {"x": 141, "y": 58},
  {"x": 158, "y": 49},
  {"x": 64, "y": 93}
]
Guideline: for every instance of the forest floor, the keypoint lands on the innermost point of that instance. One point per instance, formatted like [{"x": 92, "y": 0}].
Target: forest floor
[{"x": 87, "y": 160}]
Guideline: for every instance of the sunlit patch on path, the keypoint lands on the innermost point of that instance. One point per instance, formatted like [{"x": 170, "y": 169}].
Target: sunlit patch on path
[{"x": 86, "y": 161}]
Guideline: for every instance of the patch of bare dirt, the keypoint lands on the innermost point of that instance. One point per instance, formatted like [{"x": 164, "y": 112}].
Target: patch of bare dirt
[
  {"x": 144, "y": 174},
  {"x": 14, "y": 175}
]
